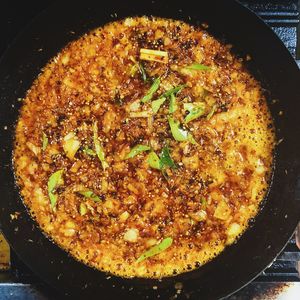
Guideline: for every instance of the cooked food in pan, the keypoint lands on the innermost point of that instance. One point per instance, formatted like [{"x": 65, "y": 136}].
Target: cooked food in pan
[{"x": 144, "y": 148}]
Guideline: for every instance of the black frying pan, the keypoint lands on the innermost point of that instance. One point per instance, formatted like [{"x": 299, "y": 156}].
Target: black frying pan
[{"x": 271, "y": 63}]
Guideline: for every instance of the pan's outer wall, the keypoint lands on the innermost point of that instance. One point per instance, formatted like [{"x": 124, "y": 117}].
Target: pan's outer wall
[{"x": 270, "y": 63}]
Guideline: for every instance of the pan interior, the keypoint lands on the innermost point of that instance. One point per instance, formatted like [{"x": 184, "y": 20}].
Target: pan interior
[{"x": 144, "y": 148}]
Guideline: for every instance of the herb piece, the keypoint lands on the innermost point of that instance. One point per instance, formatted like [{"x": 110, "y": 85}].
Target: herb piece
[
  {"x": 154, "y": 161},
  {"x": 98, "y": 148},
  {"x": 71, "y": 144},
  {"x": 88, "y": 151},
  {"x": 174, "y": 90},
  {"x": 154, "y": 87},
  {"x": 173, "y": 104},
  {"x": 191, "y": 139},
  {"x": 198, "y": 67},
  {"x": 138, "y": 66},
  {"x": 44, "y": 141},
  {"x": 211, "y": 112},
  {"x": 166, "y": 159},
  {"x": 196, "y": 110},
  {"x": 133, "y": 70},
  {"x": 157, "y": 249},
  {"x": 154, "y": 55},
  {"x": 178, "y": 133},
  {"x": 89, "y": 194},
  {"x": 161, "y": 163},
  {"x": 156, "y": 104},
  {"x": 142, "y": 71},
  {"x": 55, "y": 180},
  {"x": 82, "y": 209},
  {"x": 136, "y": 150}
]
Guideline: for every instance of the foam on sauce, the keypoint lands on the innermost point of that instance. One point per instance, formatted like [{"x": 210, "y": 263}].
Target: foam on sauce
[{"x": 83, "y": 115}]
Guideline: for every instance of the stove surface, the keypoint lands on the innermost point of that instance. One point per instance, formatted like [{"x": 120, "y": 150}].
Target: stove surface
[{"x": 279, "y": 281}]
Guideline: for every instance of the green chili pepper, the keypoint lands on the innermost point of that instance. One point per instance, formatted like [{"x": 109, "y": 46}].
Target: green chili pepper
[
  {"x": 196, "y": 110},
  {"x": 174, "y": 90},
  {"x": 89, "y": 194},
  {"x": 178, "y": 133},
  {"x": 166, "y": 159},
  {"x": 173, "y": 104},
  {"x": 89, "y": 151},
  {"x": 142, "y": 71},
  {"x": 154, "y": 161},
  {"x": 156, "y": 104},
  {"x": 211, "y": 112},
  {"x": 157, "y": 249},
  {"x": 136, "y": 150},
  {"x": 154, "y": 87},
  {"x": 98, "y": 148},
  {"x": 44, "y": 141},
  {"x": 198, "y": 67},
  {"x": 54, "y": 181},
  {"x": 82, "y": 209}
]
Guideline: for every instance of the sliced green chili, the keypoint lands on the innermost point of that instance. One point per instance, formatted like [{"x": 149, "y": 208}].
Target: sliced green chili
[
  {"x": 55, "y": 180},
  {"x": 178, "y": 133},
  {"x": 156, "y": 104},
  {"x": 98, "y": 148},
  {"x": 142, "y": 71},
  {"x": 174, "y": 90},
  {"x": 198, "y": 67},
  {"x": 89, "y": 194},
  {"x": 136, "y": 150},
  {"x": 157, "y": 249},
  {"x": 166, "y": 159},
  {"x": 82, "y": 209},
  {"x": 154, "y": 87},
  {"x": 44, "y": 141},
  {"x": 154, "y": 161},
  {"x": 133, "y": 70},
  {"x": 88, "y": 151},
  {"x": 173, "y": 104},
  {"x": 196, "y": 110},
  {"x": 211, "y": 113}
]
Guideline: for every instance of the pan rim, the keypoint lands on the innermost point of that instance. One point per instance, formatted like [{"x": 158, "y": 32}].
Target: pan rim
[{"x": 7, "y": 53}]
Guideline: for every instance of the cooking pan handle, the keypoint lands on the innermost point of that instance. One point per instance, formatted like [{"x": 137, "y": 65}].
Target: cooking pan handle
[
  {"x": 298, "y": 244},
  {"x": 298, "y": 235}
]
